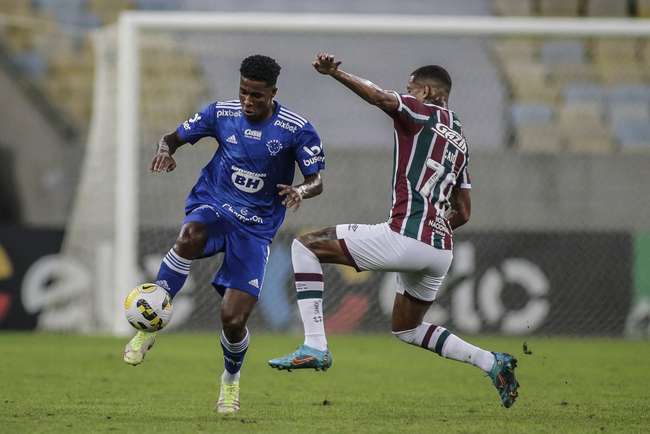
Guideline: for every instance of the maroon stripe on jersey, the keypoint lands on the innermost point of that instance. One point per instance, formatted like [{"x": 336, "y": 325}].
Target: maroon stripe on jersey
[
  {"x": 347, "y": 253},
  {"x": 427, "y": 336},
  {"x": 308, "y": 277}
]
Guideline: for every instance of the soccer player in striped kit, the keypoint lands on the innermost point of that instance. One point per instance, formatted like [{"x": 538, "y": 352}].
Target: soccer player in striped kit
[{"x": 431, "y": 198}]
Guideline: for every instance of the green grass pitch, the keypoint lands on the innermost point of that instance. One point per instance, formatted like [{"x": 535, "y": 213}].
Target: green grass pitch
[{"x": 63, "y": 383}]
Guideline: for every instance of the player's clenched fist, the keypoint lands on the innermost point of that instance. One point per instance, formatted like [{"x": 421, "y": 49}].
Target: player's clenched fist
[
  {"x": 162, "y": 161},
  {"x": 325, "y": 63}
]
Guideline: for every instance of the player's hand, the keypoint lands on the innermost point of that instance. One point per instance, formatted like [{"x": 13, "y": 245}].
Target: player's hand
[
  {"x": 292, "y": 196},
  {"x": 325, "y": 63},
  {"x": 162, "y": 162}
]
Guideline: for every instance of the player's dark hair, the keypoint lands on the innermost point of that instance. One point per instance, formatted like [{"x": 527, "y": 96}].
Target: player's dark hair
[
  {"x": 434, "y": 73},
  {"x": 260, "y": 68}
]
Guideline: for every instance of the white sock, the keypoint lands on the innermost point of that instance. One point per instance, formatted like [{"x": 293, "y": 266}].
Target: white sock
[
  {"x": 309, "y": 286},
  {"x": 440, "y": 340},
  {"x": 228, "y": 378}
]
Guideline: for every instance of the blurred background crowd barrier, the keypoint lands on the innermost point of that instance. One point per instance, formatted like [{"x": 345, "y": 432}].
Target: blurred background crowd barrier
[{"x": 558, "y": 126}]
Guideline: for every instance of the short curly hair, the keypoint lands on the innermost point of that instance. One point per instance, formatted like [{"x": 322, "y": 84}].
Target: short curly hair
[
  {"x": 435, "y": 73},
  {"x": 260, "y": 68}
]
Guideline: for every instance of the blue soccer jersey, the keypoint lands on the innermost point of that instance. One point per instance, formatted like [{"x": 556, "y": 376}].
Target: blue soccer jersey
[{"x": 253, "y": 157}]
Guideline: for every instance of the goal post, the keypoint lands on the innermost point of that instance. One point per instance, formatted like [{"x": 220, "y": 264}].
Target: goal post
[{"x": 128, "y": 108}]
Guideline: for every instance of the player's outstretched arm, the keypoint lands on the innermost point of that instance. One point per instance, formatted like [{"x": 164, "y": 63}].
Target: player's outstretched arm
[
  {"x": 461, "y": 207},
  {"x": 326, "y": 64},
  {"x": 162, "y": 160},
  {"x": 294, "y": 194}
]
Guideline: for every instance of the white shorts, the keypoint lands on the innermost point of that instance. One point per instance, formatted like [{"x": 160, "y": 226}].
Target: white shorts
[{"x": 420, "y": 268}]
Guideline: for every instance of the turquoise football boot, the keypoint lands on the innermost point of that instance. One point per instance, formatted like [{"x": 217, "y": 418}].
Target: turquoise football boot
[
  {"x": 503, "y": 378},
  {"x": 304, "y": 358}
]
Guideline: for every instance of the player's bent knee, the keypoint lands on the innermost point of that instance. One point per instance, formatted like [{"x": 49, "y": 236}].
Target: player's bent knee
[
  {"x": 191, "y": 242},
  {"x": 232, "y": 322}
]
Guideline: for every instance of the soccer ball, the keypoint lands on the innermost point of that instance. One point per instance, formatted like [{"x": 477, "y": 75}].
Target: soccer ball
[{"x": 148, "y": 307}]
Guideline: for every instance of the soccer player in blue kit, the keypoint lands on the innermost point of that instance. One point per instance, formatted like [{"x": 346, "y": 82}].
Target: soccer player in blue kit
[{"x": 237, "y": 204}]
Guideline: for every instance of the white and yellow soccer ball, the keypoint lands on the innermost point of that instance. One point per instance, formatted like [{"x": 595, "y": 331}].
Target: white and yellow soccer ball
[{"x": 148, "y": 307}]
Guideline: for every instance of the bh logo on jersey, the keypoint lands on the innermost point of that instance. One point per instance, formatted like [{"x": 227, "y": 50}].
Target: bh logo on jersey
[
  {"x": 249, "y": 182},
  {"x": 452, "y": 136},
  {"x": 314, "y": 155}
]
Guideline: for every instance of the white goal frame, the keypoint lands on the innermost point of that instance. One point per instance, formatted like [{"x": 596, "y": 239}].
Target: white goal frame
[{"x": 132, "y": 22}]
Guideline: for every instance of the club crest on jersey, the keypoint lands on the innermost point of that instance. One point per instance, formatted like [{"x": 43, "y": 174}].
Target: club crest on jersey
[
  {"x": 274, "y": 147},
  {"x": 452, "y": 136}
]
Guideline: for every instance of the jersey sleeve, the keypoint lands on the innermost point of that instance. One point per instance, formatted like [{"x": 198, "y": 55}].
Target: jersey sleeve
[
  {"x": 411, "y": 113},
  {"x": 201, "y": 125},
  {"x": 309, "y": 151}
]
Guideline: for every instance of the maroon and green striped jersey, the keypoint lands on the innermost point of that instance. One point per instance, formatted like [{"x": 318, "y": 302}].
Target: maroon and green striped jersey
[{"x": 430, "y": 157}]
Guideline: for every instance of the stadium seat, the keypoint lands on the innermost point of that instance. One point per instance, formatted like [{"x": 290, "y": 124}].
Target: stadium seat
[
  {"x": 622, "y": 111},
  {"x": 516, "y": 50},
  {"x": 565, "y": 74},
  {"x": 16, "y": 7},
  {"x": 617, "y": 73},
  {"x": 633, "y": 135},
  {"x": 614, "y": 51},
  {"x": 591, "y": 144},
  {"x": 158, "y": 4},
  {"x": 559, "y": 8},
  {"x": 606, "y": 8},
  {"x": 513, "y": 7},
  {"x": 555, "y": 52},
  {"x": 629, "y": 93},
  {"x": 643, "y": 8},
  {"x": 584, "y": 92},
  {"x": 583, "y": 127},
  {"x": 531, "y": 113},
  {"x": 538, "y": 138}
]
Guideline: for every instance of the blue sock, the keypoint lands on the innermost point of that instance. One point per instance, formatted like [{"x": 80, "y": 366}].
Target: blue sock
[
  {"x": 233, "y": 354},
  {"x": 173, "y": 272}
]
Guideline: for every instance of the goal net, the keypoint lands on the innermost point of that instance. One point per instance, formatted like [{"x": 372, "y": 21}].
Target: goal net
[{"x": 523, "y": 88}]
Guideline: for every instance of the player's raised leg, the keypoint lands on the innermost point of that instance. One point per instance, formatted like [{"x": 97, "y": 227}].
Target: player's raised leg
[
  {"x": 307, "y": 253},
  {"x": 407, "y": 325},
  {"x": 172, "y": 274}
]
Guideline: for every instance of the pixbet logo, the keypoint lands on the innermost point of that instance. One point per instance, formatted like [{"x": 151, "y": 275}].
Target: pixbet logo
[
  {"x": 285, "y": 125},
  {"x": 232, "y": 113}
]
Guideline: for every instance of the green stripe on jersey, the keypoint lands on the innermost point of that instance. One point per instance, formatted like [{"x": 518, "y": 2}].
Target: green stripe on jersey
[{"x": 418, "y": 164}]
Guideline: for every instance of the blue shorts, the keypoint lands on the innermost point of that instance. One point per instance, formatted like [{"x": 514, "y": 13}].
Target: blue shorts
[{"x": 245, "y": 256}]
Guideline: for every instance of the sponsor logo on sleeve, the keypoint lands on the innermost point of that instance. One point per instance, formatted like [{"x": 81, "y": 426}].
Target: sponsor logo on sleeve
[
  {"x": 314, "y": 153},
  {"x": 188, "y": 123}
]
